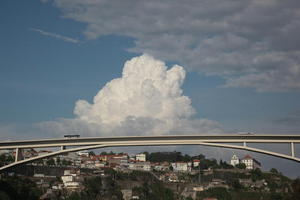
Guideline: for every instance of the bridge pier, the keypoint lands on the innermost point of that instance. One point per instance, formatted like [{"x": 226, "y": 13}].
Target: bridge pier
[
  {"x": 19, "y": 154},
  {"x": 293, "y": 149}
]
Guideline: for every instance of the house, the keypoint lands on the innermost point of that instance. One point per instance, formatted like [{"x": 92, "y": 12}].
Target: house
[
  {"x": 127, "y": 194},
  {"x": 114, "y": 158},
  {"x": 43, "y": 152},
  {"x": 164, "y": 166},
  {"x": 140, "y": 157},
  {"x": 120, "y": 159},
  {"x": 89, "y": 163},
  {"x": 198, "y": 188},
  {"x": 72, "y": 185},
  {"x": 196, "y": 163},
  {"x": 69, "y": 179},
  {"x": 99, "y": 164},
  {"x": 253, "y": 184},
  {"x": 142, "y": 166},
  {"x": 234, "y": 160},
  {"x": 173, "y": 178},
  {"x": 250, "y": 162},
  {"x": 83, "y": 153},
  {"x": 28, "y": 153},
  {"x": 181, "y": 166},
  {"x": 217, "y": 183},
  {"x": 189, "y": 192}
]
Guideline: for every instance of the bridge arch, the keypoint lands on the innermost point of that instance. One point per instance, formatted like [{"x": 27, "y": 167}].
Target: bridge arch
[{"x": 161, "y": 143}]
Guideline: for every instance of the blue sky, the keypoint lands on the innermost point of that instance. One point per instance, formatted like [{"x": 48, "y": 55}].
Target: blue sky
[
  {"x": 54, "y": 53},
  {"x": 42, "y": 77}
]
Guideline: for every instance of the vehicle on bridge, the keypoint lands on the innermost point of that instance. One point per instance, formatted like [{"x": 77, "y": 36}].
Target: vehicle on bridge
[{"x": 71, "y": 136}]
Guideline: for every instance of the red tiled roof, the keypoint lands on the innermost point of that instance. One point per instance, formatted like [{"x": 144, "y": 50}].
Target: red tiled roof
[{"x": 248, "y": 157}]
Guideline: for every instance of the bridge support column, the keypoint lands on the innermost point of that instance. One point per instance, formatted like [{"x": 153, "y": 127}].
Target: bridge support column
[
  {"x": 293, "y": 149},
  {"x": 62, "y": 147},
  {"x": 244, "y": 144},
  {"x": 19, "y": 154}
]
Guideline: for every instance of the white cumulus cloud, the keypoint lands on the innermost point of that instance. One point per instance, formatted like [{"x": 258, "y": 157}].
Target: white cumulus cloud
[
  {"x": 147, "y": 99},
  {"x": 146, "y": 89}
]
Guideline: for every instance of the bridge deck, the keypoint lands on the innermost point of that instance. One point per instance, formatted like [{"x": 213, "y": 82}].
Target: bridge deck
[{"x": 250, "y": 138}]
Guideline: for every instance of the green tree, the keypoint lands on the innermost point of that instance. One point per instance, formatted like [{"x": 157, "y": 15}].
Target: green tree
[
  {"x": 147, "y": 154},
  {"x": 74, "y": 196},
  {"x": 235, "y": 184},
  {"x": 276, "y": 196},
  {"x": 274, "y": 171},
  {"x": 111, "y": 153},
  {"x": 18, "y": 188},
  {"x": 159, "y": 192},
  {"x": 4, "y": 159},
  {"x": 66, "y": 162},
  {"x": 225, "y": 165},
  {"x": 10, "y": 158},
  {"x": 199, "y": 157},
  {"x": 58, "y": 161},
  {"x": 296, "y": 189},
  {"x": 4, "y": 196},
  {"x": 92, "y": 187},
  {"x": 241, "y": 166},
  {"x": 155, "y": 191},
  {"x": 256, "y": 174},
  {"x": 168, "y": 156},
  {"x": 50, "y": 162},
  {"x": 219, "y": 192}
]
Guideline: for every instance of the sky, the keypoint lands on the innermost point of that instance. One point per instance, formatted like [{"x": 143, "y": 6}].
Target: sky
[{"x": 108, "y": 68}]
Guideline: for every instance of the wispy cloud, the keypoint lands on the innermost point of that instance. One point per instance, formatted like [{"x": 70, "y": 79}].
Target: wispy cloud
[{"x": 57, "y": 36}]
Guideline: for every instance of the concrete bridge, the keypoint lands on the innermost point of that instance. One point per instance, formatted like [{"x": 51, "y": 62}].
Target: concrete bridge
[{"x": 233, "y": 141}]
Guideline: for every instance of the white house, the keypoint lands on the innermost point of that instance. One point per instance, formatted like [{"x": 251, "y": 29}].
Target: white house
[
  {"x": 161, "y": 166},
  {"x": 143, "y": 166},
  {"x": 72, "y": 185},
  {"x": 250, "y": 162},
  {"x": 83, "y": 153},
  {"x": 181, "y": 167},
  {"x": 196, "y": 163},
  {"x": 140, "y": 157},
  {"x": 69, "y": 179},
  {"x": 234, "y": 160}
]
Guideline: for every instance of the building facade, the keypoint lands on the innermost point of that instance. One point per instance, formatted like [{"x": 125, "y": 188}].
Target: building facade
[
  {"x": 250, "y": 162},
  {"x": 182, "y": 166},
  {"x": 140, "y": 157},
  {"x": 234, "y": 160}
]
